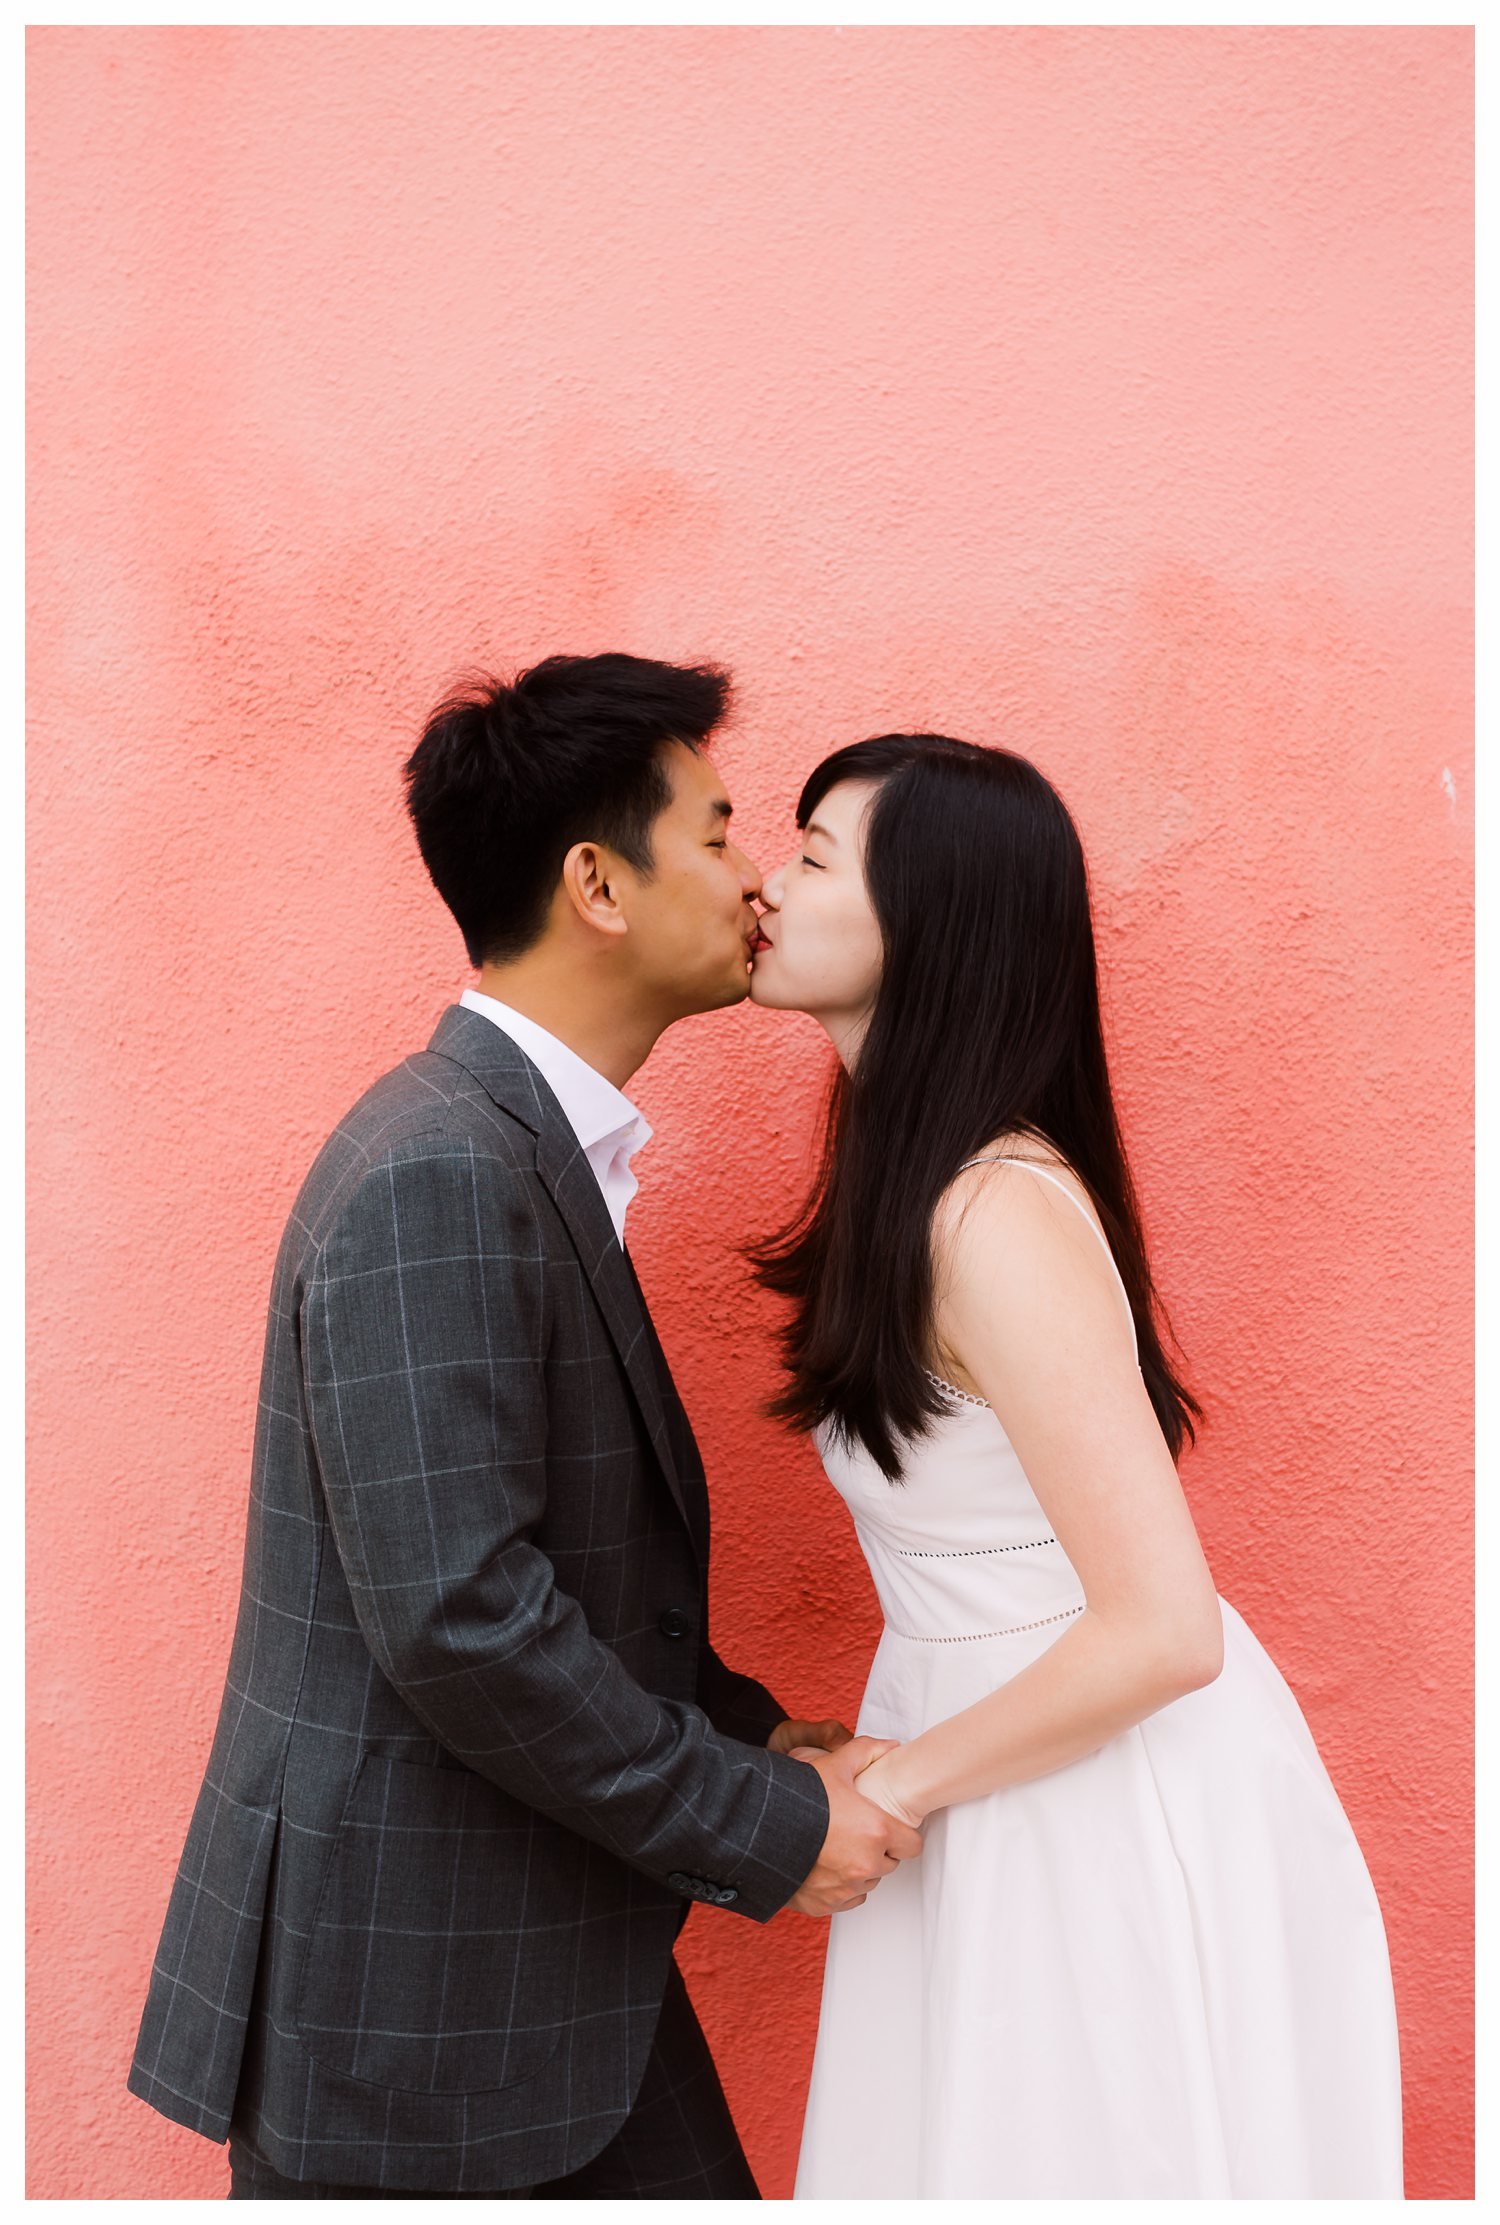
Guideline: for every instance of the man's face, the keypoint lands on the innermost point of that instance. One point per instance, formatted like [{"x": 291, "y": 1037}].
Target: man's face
[{"x": 692, "y": 923}]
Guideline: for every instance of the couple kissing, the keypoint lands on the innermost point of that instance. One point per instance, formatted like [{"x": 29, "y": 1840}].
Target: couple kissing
[{"x": 1100, "y": 1926}]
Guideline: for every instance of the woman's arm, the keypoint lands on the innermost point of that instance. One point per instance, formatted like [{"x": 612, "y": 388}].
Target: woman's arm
[{"x": 1029, "y": 1308}]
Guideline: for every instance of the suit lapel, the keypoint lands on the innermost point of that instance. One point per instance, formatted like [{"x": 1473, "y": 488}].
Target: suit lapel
[
  {"x": 570, "y": 1179},
  {"x": 692, "y": 1495},
  {"x": 518, "y": 1087}
]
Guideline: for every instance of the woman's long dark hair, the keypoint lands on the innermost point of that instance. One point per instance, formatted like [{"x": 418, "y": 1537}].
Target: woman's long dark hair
[{"x": 986, "y": 1024}]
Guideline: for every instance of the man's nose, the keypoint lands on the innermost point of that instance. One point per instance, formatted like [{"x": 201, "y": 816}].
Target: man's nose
[{"x": 749, "y": 876}]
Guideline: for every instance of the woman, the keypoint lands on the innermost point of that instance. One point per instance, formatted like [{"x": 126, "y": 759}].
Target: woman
[{"x": 1140, "y": 1954}]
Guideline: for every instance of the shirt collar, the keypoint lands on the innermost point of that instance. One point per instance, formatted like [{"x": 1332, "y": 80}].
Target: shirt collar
[{"x": 595, "y": 1109}]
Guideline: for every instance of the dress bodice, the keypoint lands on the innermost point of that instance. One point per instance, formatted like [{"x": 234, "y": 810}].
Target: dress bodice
[{"x": 960, "y": 1548}]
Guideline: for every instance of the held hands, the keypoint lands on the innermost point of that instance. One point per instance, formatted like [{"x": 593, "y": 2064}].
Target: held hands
[
  {"x": 877, "y": 1781},
  {"x": 865, "y": 1840}
]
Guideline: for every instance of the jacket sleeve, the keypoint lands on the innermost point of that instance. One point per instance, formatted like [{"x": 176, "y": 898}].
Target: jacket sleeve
[{"x": 424, "y": 1333}]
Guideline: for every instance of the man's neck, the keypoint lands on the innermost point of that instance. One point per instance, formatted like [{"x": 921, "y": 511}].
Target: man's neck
[{"x": 588, "y": 1014}]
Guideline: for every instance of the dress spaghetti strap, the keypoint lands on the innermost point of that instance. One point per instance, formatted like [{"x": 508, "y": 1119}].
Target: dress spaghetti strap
[{"x": 1001, "y": 1159}]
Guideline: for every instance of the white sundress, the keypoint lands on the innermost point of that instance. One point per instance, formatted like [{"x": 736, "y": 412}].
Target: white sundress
[{"x": 1159, "y": 1971}]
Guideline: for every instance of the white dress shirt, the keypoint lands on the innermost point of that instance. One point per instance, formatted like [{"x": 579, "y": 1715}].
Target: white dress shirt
[{"x": 610, "y": 1130}]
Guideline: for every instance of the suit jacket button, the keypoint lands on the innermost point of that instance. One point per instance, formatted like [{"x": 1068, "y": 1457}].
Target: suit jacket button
[
  {"x": 679, "y": 1882},
  {"x": 726, "y": 1894},
  {"x": 673, "y": 1623}
]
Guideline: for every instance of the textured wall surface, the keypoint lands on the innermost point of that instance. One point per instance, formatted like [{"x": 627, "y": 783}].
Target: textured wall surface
[{"x": 1104, "y": 393}]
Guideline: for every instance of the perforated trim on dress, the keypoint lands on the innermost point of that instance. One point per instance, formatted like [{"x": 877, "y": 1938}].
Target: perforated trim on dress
[
  {"x": 966, "y": 1552},
  {"x": 970, "y": 1398},
  {"x": 967, "y": 1637}
]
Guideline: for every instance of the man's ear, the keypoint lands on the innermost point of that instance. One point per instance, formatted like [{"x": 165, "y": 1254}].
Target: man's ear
[{"x": 590, "y": 875}]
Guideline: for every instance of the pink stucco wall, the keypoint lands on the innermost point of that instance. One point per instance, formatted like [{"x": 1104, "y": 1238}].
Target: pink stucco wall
[{"x": 1104, "y": 392}]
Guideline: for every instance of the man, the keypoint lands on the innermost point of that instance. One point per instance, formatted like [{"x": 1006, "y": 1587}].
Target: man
[{"x": 476, "y": 1755}]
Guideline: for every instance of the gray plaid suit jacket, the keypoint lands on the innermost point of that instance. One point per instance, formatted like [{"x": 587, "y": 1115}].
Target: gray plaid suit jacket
[{"x": 476, "y": 1755}]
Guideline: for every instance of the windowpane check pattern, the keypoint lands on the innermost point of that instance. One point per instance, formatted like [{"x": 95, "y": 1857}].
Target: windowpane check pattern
[{"x": 476, "y": 1754}]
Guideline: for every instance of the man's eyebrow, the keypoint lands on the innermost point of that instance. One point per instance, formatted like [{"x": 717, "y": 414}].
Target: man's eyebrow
[{"x": 721, "y": 807}]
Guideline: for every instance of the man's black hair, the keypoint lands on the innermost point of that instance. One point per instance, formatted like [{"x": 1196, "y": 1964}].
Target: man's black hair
[{"x": 507, "y": 777}]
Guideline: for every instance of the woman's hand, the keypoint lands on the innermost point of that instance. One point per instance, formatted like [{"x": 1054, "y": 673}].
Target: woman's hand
[
  {"x": 880, "y": 1781},
  {"x": 826, "y": 1736}
]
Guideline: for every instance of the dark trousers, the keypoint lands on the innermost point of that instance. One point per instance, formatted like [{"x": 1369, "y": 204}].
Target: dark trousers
[{"x": 678, "y": 2142}]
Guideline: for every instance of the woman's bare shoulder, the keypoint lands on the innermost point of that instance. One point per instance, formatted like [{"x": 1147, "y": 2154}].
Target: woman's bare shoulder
[
  {"x": 1001, "y": 1237},
  {"x": 988, "y": 1174}
]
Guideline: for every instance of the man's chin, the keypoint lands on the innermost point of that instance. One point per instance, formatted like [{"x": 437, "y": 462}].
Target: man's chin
[{"x": 733, "y": 991}]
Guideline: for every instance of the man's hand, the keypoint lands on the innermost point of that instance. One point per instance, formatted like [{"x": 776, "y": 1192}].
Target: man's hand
[
  {"x": 788, "y": 1734},
  {"x": 863, "y": 1841}
]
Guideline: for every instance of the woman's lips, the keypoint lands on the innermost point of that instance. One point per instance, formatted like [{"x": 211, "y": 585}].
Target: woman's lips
[{"x": 758, "y": 943}]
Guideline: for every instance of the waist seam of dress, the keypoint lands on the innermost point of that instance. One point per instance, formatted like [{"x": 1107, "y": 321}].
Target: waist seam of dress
[
  {"x": 967, "y": 1637},
  {"x": 967, "y": 1552}
]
